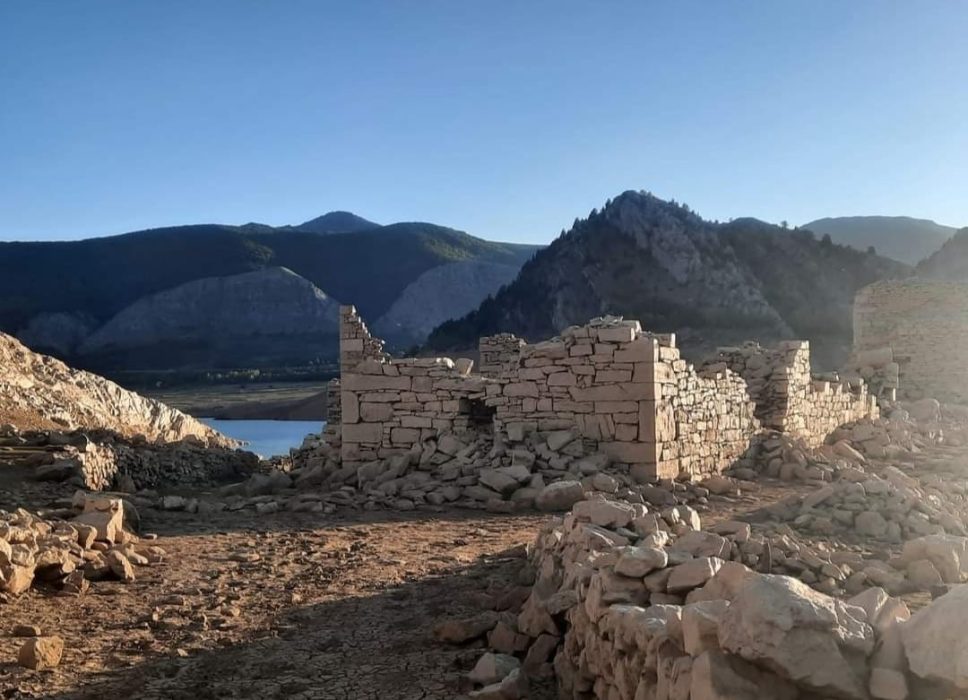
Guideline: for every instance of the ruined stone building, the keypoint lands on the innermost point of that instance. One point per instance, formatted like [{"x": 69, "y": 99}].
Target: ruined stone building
[
  {"x": 626, "y": 392},
  {"x": 912, "y": 336}
]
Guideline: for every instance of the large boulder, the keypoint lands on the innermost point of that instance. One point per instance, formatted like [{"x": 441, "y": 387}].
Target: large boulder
[
  {"x": 948, "y": 553},
  {"x": 936, "y": 640},
  {"x": 104, "y": 514},
  {"x": 719, "y": 676},
  {"x": 559, "y": 496},
  {"x": 818, "y": 642}
]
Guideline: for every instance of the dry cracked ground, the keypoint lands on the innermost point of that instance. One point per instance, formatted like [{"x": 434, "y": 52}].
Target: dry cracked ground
[{"x": 285, "y": 605}]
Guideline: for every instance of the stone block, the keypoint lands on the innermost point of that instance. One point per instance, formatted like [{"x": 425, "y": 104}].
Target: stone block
[
  {"x": 350, "y": 406},
  {"x": 363, "y": 432},
  {"x": 366, "y": 382},
  {"x": 375, "y": 412},
  {"x": 403, "y": 436}
]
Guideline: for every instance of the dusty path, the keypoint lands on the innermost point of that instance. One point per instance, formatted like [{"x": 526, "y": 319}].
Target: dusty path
[{"x": 337, "y": 609}]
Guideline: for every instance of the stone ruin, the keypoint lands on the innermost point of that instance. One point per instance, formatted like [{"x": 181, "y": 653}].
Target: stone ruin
[
  {"x": 624, "y": 392},
  {"x": 909, "y": 339}
]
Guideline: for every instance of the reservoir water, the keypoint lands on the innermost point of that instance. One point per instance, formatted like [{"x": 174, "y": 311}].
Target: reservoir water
[{"x": 267, "y": 438}]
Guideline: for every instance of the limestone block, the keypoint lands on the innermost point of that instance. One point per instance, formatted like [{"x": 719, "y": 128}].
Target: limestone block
[
  {"x": 350, "y": 407},
  {"x": 363, "y": 432},
  {"x": 375, "y": 412}
]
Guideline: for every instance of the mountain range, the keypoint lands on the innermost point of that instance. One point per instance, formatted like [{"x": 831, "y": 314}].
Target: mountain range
[
  {"x": 217, "y": 296},
  {"x": 900, "y": 237},
  {"x": 714, "y": 284},
  {"x": 214, "y": 296}
]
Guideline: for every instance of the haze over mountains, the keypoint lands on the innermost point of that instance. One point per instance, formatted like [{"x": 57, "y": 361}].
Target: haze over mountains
[{"x": 900, "y": 237}]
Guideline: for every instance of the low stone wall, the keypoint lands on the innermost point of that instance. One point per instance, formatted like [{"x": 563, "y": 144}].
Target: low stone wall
[
  {"x": 704, "y": 420},
  {"x": 629, "y": 604},
  {"x": 391, "y": 407},
  {"x": 104, "y": 466},
  {"x": 787, "y": 398}
]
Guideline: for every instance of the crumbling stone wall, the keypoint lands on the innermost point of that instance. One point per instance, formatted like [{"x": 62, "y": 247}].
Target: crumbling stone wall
[
  {"x": 101, "y": 466},
  {"x": 703, "y": 420},
  {"x": 334, "y": 409},
  {"x": 625, "y": 392},
  {"x": 390, "y": 406},
  {"x": 786, "y": 396},
  {"x": 597, "y": 379},
  {"x": 925, "y": 324},
  {"x": 497, "y": 352},
  {"x": 355, "y": 341}
]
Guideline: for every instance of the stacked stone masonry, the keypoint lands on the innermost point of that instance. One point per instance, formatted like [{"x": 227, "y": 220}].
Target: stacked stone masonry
[
  {"x": 624, "y": 391},
  {"x": 786, "y": 396},
  {"x": 913, "y": 332},
  {"x": 334, "y": 414},
  {"x": 497, "y": 352}
]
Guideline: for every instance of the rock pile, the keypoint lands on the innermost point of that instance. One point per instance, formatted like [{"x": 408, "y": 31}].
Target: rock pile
[
  {"x": 877, "y": 367},
  {"x": 68, "y": 554},
  {"x": 99, "y": 460},
  {"x": 619, "y": 609},
  {"x": 544, "y": 470}
]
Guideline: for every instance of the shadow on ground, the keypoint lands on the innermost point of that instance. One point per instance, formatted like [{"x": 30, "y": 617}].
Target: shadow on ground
[{"x": 372, "y": 646}]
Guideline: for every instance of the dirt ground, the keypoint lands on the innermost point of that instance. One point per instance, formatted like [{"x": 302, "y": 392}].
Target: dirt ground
[
  {"x": 287, "y": 605},
  {"x": 282, "y": 606},
  {"x": 278, "y": 607}
]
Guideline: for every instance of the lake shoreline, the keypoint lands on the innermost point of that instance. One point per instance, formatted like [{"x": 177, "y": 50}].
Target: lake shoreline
[
  {"x": 266, "y": 438},
  {"x": 287, "y": 401}
]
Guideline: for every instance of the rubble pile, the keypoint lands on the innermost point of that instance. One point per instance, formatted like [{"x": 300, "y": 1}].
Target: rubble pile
[
  {"x": 877, "y": 367},
  {"x": 67, "y": 554},
  {"x": 100, "y": 459},
  {"x": 540, "y": 470},
  {"x": 622, "y": 609}
]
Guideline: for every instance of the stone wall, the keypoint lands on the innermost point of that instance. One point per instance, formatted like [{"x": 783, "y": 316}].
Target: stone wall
[
  {"x": 496, "y": 352},
  {"x": 100, "y": 466},
  {"x": 703, "y": 420},
  {"x": 355, "y": 341},
  {"x": 334, "y": 409},
  {"x": 625, "y": 392},
  {"x": 629, "y": 604},
  {"x": 391, "y": 406},
  {"x": 925, "y": 324},
  {"x": 786, "y": 396}
]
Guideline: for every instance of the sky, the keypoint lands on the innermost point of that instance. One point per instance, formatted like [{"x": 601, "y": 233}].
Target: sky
[{"x": 504, "y": 119}]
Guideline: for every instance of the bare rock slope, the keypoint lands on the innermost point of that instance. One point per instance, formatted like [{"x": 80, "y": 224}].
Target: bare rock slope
[
  {"x": 40, "y": 392},
  {"x": 442, "y": 293}
]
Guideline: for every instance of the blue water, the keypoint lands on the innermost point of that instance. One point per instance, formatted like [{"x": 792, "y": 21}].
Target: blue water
[{"x": 267, "y": 438}]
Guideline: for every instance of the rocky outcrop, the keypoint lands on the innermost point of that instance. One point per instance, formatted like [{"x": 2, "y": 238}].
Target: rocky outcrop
[
  {"x": 711, "y": 283},
  {"x": 442, "y": 293},
  {"x": 265, "y": 303},
  {"x": 37, "y": 391}
]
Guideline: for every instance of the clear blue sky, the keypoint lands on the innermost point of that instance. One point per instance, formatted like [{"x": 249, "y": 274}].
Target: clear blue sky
[{"x": 505, "y": 119}]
